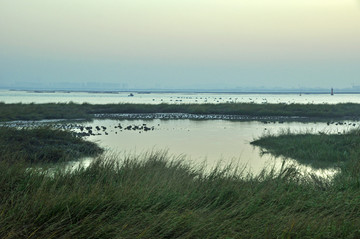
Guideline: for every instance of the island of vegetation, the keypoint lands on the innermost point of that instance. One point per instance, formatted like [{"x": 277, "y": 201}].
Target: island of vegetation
[{"x": 317, "y": 150}]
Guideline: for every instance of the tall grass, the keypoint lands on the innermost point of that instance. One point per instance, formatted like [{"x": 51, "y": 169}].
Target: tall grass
[{"x": 156, "y": 197}]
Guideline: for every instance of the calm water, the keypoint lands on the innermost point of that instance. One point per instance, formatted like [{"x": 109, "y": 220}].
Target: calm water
[
  {"x": 172, "y": 98},
  {"x": 209, "y": 141}
]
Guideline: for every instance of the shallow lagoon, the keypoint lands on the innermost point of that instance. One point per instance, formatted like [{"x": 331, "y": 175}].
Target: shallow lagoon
[{"x": 205, "y": 141}]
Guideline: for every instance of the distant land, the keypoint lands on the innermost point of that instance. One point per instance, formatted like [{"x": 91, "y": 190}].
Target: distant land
[
  {"x": 223, "y": 91},
  {"x": 115, "y": 88}
]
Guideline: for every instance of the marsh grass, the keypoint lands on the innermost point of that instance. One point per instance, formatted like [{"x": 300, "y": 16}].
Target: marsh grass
[
  {"x": 43, "y": 144},
  {"x": 19, "y": 111},
  {"x": 318, "y": 150},
  {"x": 157, "y": 197}
]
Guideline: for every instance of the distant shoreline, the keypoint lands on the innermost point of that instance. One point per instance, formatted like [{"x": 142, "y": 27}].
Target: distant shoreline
[{"x": 141, "y": 91}]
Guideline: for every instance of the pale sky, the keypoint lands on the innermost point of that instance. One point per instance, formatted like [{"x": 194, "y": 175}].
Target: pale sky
[{"x": 182, "y": 43}]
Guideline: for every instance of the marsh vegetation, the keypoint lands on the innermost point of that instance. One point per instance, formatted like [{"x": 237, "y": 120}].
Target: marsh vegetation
[
  {"x": 9, "y": 112},
  {"x": 157, "y": 196},
  {"x": 316, "y": 149},
  {"x": 43, "y": 144}
]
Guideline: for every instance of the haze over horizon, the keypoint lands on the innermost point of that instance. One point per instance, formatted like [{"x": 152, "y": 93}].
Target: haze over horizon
[{"x": 203, "y": 44}]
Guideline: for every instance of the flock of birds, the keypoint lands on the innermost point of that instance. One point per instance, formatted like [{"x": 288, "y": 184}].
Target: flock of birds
[
  {"x": 190, "y": 99},
  {"x": 95, "y": 130},
  {"x": 83, "y": 131},
  {"x": 168, "y": 116},
  {"x": 328, "y": 123},
  {"x": 341, "y": 123},
  {"x": 226, "y": 99}
]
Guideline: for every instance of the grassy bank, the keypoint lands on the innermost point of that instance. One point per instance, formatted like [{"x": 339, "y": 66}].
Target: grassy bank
[
  {"x": 86, "y": 111},
  {"x": 159, "y": 198},
  {"x": 317, "y": 150},
  {"x": 43, "y": 144}
]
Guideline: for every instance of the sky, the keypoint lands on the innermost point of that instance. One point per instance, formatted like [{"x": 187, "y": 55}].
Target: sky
[{"x": 187, "y": 44}]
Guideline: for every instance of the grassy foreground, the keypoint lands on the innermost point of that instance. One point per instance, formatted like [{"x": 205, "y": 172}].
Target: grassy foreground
[
  {"x": 159, "y": 198},
  {"x": 317, "y": 150},
  {"x": 156, "y": 196},
  {"x": 20, "y": 111}
]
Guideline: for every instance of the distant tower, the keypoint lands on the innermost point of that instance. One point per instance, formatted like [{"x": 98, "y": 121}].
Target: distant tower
[{"x": 332, "y": 91}]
